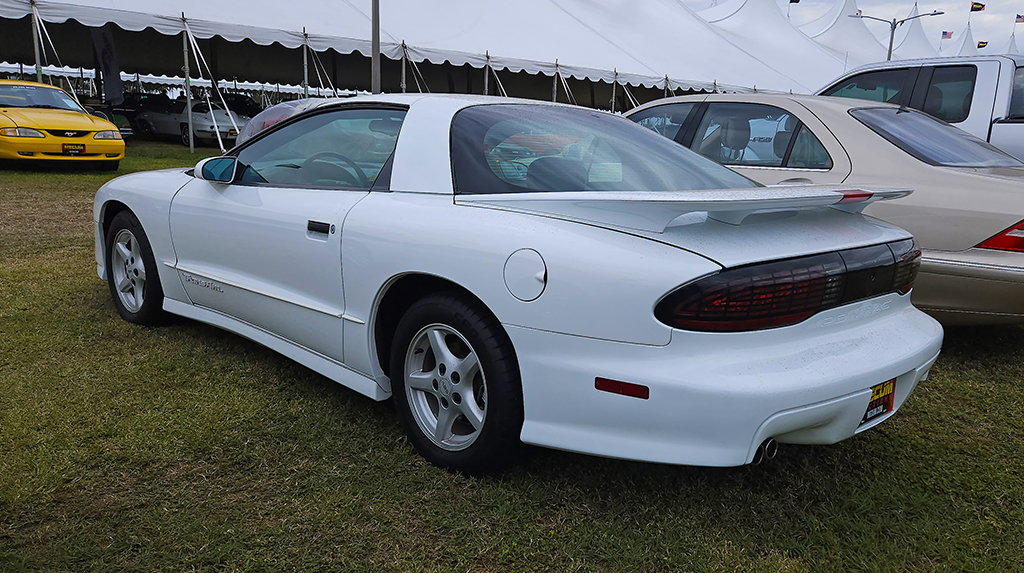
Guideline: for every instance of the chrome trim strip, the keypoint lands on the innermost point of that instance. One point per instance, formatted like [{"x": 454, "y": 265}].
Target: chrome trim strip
[
  {"x": 774, "y": 168},
  {"x": 1001, "y": 268},
  {"x": 232, "y": 284},
  {"x": 351, "y": 318}
]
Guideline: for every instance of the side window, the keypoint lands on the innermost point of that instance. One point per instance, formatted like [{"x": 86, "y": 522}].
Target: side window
[
  {"x": 950, "y": 93},
  {"x": 343, "y": 149},
  {"x": 882, "y": 85},
  {"x": 664, "y": 119},
  {"x": 1017, "y": 97},
  {"x": 744, "y": 134},
  {"x": 178, "y": 106},
  {"x": 808, "y": 152}
]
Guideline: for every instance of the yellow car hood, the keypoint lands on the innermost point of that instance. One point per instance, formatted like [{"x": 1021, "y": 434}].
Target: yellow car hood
[{"x": 40, "y": 118}]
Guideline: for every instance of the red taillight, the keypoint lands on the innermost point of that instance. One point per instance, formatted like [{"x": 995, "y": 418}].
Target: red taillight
[
  {"x": 781, "y": 293},
  {"x": 1011, "y": 239}
]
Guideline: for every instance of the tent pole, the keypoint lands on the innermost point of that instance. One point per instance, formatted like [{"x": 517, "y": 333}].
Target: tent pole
[
  {"x": 35, "y": 45},
  {"x": 188, "y": 91},
  {"x": 487, "y": 72},
  {"x": 305, "y": 64},
  {"x": 554, "y": 84},
  {"x": 615, "y": 83},
  {"x": 375, "y": 56},
  {"x": 404, "y": 65}
]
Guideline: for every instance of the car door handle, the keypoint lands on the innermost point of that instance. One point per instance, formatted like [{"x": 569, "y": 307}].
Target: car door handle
[{"x": 318, "y": 227}]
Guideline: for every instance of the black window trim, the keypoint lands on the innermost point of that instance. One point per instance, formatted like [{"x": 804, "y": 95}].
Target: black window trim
[{"x": 235, "y": 151}]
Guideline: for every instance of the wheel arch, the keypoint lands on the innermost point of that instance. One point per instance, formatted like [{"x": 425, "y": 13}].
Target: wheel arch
[{"x": 394, "y": 300}]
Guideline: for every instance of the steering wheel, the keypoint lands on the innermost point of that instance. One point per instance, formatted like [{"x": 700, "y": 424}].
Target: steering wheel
[{"x": 360, "y": 177}]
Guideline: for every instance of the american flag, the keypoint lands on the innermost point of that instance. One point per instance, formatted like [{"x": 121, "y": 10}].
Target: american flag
[
  {"x": 861, "y": 13},
  {"x": 947, "y": 35},
  {"x": 1020, "y": 19}
]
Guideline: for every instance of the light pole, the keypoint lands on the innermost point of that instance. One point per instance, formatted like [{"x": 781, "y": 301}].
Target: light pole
[{"x": 894, "y": 23}]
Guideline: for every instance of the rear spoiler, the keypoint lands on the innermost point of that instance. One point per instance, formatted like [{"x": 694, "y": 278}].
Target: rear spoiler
[{"x": 654, "y": 210}]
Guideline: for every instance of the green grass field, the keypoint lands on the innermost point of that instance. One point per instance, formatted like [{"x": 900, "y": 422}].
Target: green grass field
[{"x": 185, "y": 448}]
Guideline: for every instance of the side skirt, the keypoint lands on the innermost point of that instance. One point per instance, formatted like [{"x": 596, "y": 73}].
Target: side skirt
[{"x": 321, "y": 364}]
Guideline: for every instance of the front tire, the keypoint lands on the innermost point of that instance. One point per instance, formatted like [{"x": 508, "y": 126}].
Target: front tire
[
  {"x": 132, "y": 273},
  {"x": 456, "y": 385}
]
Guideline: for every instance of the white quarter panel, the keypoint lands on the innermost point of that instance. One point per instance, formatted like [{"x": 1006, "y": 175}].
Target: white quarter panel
[
  {"x": 148, "y": 195},
  {"x": 600, "y": 283},
  {"x": 246, "y": 251},
  {"x": 714, "y": 397}
]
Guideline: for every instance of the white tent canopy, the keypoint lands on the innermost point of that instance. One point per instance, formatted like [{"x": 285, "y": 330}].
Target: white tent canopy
[
  {"x": 849, "y": 39},
  {"x": 759, "y": 27},
  {"x": 964, "y": 47},
  {"x": 1007, "y": 47},
  {"x": 634, "y": 43},
  {"x": 911, "y": 41}
]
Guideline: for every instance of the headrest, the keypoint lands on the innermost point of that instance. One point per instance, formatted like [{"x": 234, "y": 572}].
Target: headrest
[
  {"x": 781, "y": 142},
  {"x": 735, "y": 133},
  {"x": 556, "y": 174}
]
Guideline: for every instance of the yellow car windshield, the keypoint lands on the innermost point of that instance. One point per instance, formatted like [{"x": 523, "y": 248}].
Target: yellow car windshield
[{"x": 37, "y": 97}]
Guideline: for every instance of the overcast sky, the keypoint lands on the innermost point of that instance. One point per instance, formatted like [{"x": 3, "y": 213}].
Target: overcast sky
[{"x": 993, "y": 25}]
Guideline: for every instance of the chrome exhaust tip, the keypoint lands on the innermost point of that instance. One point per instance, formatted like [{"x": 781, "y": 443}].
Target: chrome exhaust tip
[
  {"x": 758, "y": 455},
  {"x": 771, "y": 448}
]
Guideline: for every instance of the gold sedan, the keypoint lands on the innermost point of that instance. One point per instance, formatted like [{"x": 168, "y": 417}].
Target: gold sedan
[
  {"x": 966, "y": 212},
  {"x": 40, "y": 122}
]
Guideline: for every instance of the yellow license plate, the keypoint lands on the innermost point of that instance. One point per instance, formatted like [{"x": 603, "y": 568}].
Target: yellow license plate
[
  {"x": 882, "y": 397},
  {"x": 74, "y": 148}
]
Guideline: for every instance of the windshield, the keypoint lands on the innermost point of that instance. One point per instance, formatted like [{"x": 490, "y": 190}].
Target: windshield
[
  {"x": 932, "y": 141},
  {"x": 533, "y": 148},
  {"x": 40, "y": 97}
]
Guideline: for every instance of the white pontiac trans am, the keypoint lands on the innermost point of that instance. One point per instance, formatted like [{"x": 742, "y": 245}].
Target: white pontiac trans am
[{"x": 520, "y": 272}]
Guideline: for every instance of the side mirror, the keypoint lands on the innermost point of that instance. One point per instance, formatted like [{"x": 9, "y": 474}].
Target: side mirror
[{"x": 217, "y": 169}]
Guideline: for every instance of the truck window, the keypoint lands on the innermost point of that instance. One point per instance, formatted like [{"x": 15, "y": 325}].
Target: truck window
[
  {"x": 881, "y": 85},
  {"x": 950, "y": 93},
  {"x": 1017, "y": 98}
]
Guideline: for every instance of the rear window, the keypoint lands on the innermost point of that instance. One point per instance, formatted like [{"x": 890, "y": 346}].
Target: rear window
[
  {"x": 536, "y": 148},
  {"x": 1017, "y": 99},
  {"x": 932, "y": 141},
  {"x": 882, "y": 85},
  {"x": 951, "y": 92}
]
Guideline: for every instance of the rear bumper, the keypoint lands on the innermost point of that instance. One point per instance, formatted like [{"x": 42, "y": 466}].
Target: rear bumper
[
  {"x": 52, "y": 149},
  {"x": 977, "y": 286},
  {"x": 715, "y": 397}
]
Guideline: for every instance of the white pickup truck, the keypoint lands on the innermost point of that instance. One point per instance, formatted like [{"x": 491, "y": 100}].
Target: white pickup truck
[{"x": 983, "y": 95}]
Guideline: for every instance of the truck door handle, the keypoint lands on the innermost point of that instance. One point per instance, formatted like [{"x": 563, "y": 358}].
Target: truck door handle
[{"x": 318, "y": 227}]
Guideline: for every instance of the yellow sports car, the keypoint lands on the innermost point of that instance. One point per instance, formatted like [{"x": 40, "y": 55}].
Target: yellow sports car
[{"x": 42, "y": 122}]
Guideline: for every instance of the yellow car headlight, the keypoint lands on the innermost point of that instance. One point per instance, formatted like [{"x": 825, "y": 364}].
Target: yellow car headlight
[
  {"x": 21, "y": 132},
  {"x": 107, "y": 135}
]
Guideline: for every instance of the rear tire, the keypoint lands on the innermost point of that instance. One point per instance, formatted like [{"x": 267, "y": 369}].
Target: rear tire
[
  {"x": 456, "y": 385},
  {"x": 132, "y": 273},
  {"x": 185, "y": 139}
]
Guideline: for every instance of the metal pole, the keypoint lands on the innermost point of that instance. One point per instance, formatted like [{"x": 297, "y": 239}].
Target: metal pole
[
  {"x": 405, "y": 64},
  {"x": 487, "y": 72},
  {"x": 188, "y": 94},
  {"x": 554, "y": 84},
  {"x": 35, "y": 46},
  {"x": 892, "y": 36},
  {"x": 615, "y": 83},
  {"x": 305, "y": 64},
  {"x": 375, "y": 56}
]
